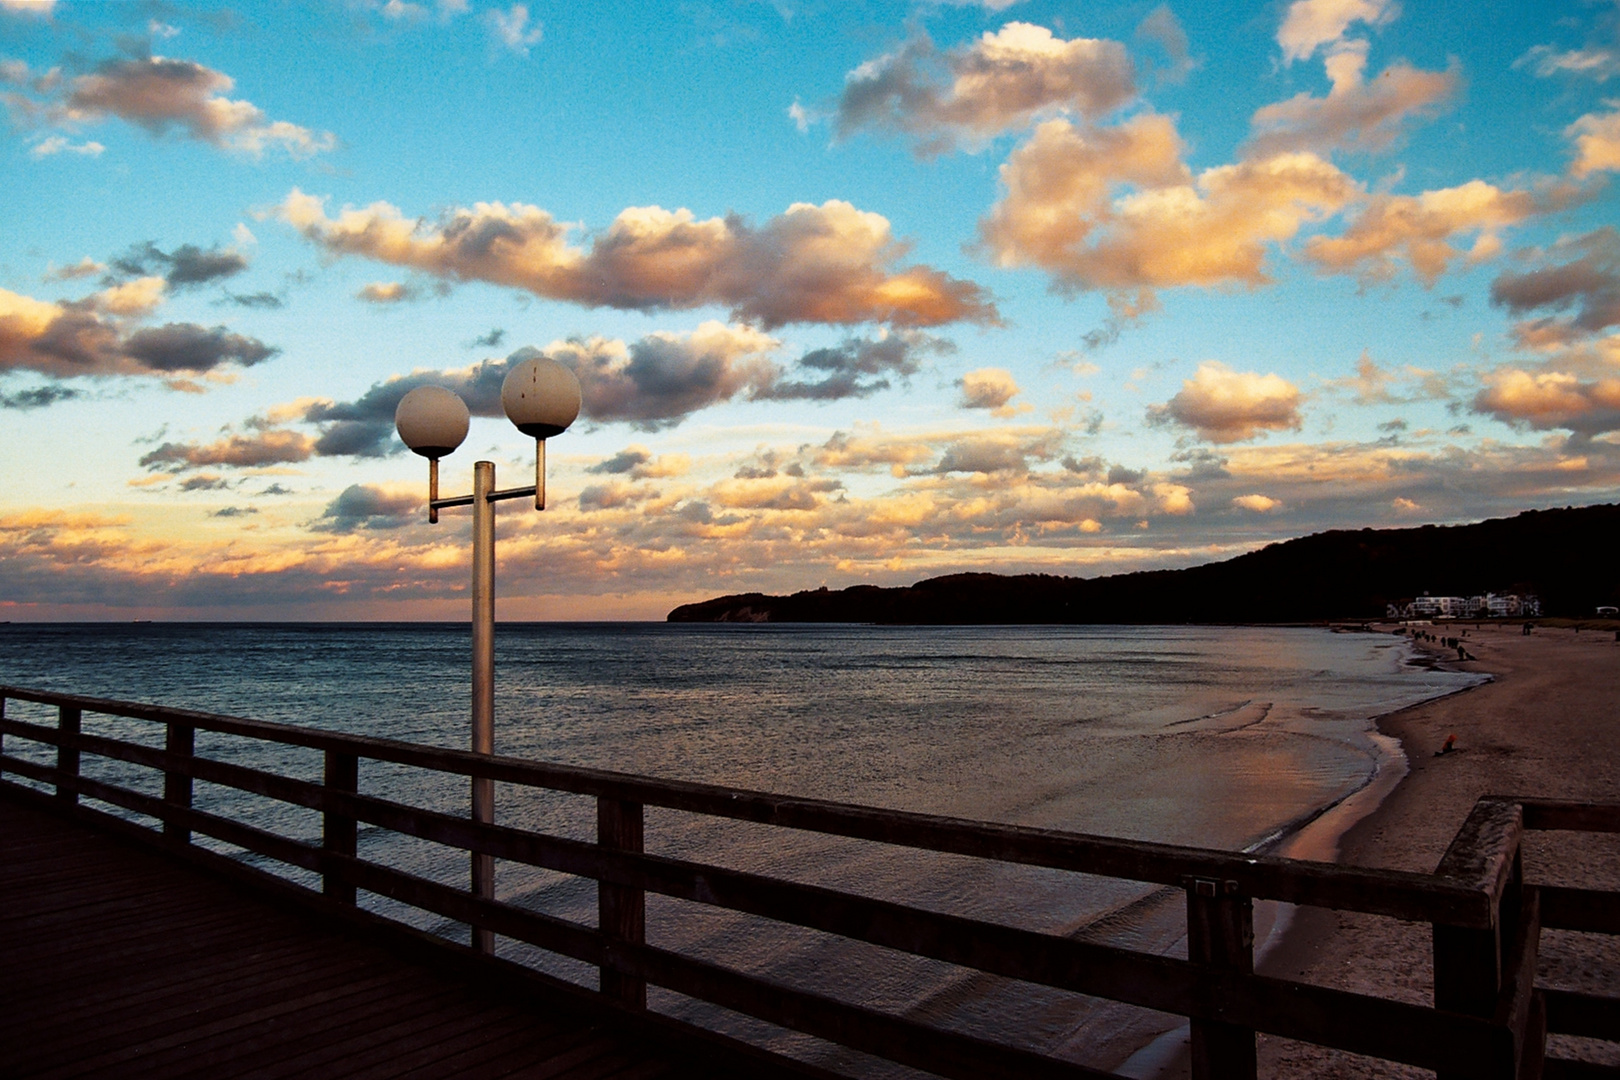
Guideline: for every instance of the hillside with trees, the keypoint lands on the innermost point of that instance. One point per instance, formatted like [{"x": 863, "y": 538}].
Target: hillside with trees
[{"x": 1566, "y": 557}]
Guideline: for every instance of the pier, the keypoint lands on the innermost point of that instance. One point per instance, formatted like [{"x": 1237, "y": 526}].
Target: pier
[{"x": 133, "y": 949}]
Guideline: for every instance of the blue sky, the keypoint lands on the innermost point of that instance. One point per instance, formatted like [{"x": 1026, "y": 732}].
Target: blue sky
[{"x": 857, "y": 292}]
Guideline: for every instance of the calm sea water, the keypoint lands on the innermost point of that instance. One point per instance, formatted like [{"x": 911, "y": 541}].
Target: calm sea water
[{"x": 1220, "y": 737}]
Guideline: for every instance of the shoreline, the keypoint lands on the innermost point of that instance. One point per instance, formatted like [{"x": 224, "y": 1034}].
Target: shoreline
[
  {"x": 1546, "y": 724},
  {"x": 1282, "y": 936}
]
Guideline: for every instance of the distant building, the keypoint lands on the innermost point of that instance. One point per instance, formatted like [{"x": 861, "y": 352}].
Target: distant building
[{"x": 1487, "y": 606}]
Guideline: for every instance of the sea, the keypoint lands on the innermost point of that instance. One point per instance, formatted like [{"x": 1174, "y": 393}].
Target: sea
[{"x": 1225, "y": 737}]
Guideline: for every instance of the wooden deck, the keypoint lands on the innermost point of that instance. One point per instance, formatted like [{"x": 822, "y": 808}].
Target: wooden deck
[{"x": 119, "y": 962}]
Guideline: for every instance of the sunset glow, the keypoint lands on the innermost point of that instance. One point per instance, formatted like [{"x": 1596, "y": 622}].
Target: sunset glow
[{"x": 855, "y": 293}]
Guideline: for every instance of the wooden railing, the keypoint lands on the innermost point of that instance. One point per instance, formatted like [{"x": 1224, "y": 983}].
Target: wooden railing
[{"x": 1489, "y": 1020}]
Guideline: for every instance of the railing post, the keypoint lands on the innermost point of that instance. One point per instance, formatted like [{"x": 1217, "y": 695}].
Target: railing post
[
  {"x": 1220, "y": 934},
  {"x": 181, "y": 742},
  {"x": 338, "y": 831},
  {"x": 1469, "y": 961},
  {"x": 620, "y": 910},
  {"x": 67, "y": 759}
]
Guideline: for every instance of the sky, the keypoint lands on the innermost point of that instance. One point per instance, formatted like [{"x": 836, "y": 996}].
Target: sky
[{"x": 856, "y": 292}]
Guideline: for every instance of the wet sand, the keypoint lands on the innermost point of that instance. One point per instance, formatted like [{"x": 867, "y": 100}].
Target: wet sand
[{"x": 1548, "y": 726}]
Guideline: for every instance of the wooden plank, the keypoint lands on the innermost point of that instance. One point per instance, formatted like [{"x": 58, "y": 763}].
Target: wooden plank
[
  {"x": 416, "y": 1025},
  {"x": 196, "y": 1041},
  {"x": 500, "y": 1033},
  {"x": 290, "y": 1034},
  {"x": 480, "y": 1024}
]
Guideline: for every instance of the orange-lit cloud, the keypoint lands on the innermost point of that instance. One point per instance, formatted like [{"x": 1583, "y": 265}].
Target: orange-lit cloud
[
  {"x": 1422, "y": 231},
  {"x": 1355, "y": 114},
  {"x": 1597, "y": 143},
  {"x": 268, "y": 447},
  {"x": 989, "y": 388},
  {"x": 1552, "y": 399},
  {"x": 812, "y": 264},
  {"x": 88, "y": 337},
  {"x": 160, "y": 95},
  {"x": 1117, "y": 209},
  {"x": 1224, "y": 406},
  {"x": 998, "y": 83}
]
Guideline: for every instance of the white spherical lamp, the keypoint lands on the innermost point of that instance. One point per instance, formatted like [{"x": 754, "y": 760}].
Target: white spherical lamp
[
  {"x": 432, "y": 421},
  {"x": 541, "y": 397}
]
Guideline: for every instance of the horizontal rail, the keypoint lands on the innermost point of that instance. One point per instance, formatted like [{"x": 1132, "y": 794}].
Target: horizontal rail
[
  {"x": 1393, "y": 1030},
  {"x": 1591, "y": 1015},
  {"x": 1398, "y": 894},
  {"x": 1569, "y": 815},
  {"x": 1591, "y": 910}
]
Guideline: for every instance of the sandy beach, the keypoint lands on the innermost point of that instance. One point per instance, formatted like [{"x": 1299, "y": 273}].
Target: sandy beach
[{"x": 1548, "y": 725}]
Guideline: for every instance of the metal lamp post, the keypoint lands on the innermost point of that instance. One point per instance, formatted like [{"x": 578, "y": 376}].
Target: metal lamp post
[{"x": 541, "y": 397}]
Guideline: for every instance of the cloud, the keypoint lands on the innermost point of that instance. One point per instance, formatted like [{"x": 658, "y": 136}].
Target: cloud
[
  {"x": 1582, "y": 273},
  {"x": 511, "y": 29},
  {"x": 366, "y": 506},
  {"x": 38, "y": 397},
  {"x": 1421, "y": 230},
  {"x": 656, "y": 381},
  {"x": 1225, "y": 406},
  {"x": 490, "y": 340},
  {"x": 84, "y": 268},
  {"x": 386, "y": 292},
  {"x": 52, "y": 145},
  {"x": 651, "y": 383},
  {"x": 1597, "y": 142},
  {"x": 819, "y": 264},
  {"x": 273, "y": 447},
  {"x": 1117, "y": 209},
  {"x": 996, "y": 452},
  {"x": 1598, "y": 59},
  {"x": 264, "y": 301},
  {"x": 989, "y": 388},
  {"x": 1551, "y": 399},
  {"x": 160, "y": 94},
  {"x": 1598, "y": 63},
  {"x": 1311, "y": 24},
  {"x": 187, "y": 347},
  {"x": 1355, "y": 115},
  {"x": 639, "y": 463},
  {"x": 855, "y": 368},
  {"x": 1373, "y": 385},
  {"x": 972, "y": 93},
  {"x": 187, "y": 266},
  {"x": 138, "y": 297},
  {"x": 1162, "y": 28},
  {"x": 73, "y": 339},
  {"x": 1260, "y": 504},
  {"x": 41, "y": 8}
]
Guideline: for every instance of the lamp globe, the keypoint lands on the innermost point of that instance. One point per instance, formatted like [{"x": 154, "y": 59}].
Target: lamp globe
[
  {"x": 432, "y": 421},
  {"x": 541, "y": 397}
]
